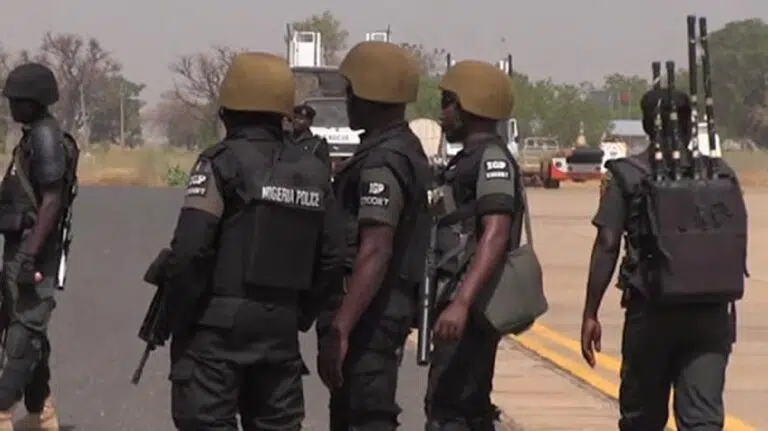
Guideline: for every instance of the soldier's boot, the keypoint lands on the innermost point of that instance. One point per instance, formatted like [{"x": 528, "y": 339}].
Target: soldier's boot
[
  {"x": 6, "y": 420},
  {"x": 46, "y": 420}
]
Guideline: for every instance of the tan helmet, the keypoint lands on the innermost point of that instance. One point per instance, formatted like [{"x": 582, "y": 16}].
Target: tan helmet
[
  {"x": 381, "y": 72},
  {"x": 258, "y": 81},
  {"x": 482, "y": 88}
]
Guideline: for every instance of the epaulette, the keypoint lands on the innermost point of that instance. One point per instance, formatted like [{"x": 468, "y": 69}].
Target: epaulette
[{"x": 212, "y": 152}]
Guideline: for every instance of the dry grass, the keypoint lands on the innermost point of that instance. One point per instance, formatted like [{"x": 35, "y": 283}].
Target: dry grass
[
  {"x": 148, "y": 167},
  {"x": 115, "y": 166}
]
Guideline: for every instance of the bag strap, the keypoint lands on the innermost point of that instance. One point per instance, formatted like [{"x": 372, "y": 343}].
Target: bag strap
[
  {"x": 520, "y": 188},
  {"x": 23, "y": 178}
]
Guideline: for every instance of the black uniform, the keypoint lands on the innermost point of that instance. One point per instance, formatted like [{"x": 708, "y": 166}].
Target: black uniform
[
  {"x": 47, "y": 158},
  {"x": 315, "y": 145},
  {"x": 684, "y": 346},
  {"x": 255, "y": 235},
  {"x": 460, "y": 376},
  {"x": 386, "y": 181}
]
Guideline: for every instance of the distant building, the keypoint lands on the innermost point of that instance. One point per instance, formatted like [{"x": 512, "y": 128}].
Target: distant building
[{"x": 631, "y": 132}]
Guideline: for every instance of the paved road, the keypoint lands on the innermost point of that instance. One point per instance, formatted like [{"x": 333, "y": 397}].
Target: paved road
[{"x": 118, "y": 232}]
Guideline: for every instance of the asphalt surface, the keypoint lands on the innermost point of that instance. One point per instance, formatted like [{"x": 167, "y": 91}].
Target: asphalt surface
[{"x": 118, "y": 231}]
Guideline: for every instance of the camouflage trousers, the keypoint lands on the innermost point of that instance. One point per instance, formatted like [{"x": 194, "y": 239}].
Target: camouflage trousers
[{"x": 26, "y": 372}]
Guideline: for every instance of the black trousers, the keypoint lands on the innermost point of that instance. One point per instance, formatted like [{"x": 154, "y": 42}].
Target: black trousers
[
  {"x": 680, "y": 347},
  {"x": 253, "y": 369},
  {"x": 461, "y": 380},
  {"x": 367, "y": 399}
]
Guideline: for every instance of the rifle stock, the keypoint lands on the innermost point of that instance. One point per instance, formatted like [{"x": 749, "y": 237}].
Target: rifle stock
[
  {"x": 427, "y": 293},
  {"x": 154, "y": 328}
]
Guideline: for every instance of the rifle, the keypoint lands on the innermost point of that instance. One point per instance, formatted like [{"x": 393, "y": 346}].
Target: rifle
[
  {"x": 154, "y": 329},
  {"x": 427, "y": 292},
  {"x": 65, "y": 223},
  {"x": 65, "y": 228}
]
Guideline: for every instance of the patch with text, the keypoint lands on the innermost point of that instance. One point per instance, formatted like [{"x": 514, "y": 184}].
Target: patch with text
[
  {"x": 497, "y": 169},
  {"x": 197, "y": 184},
  {"x": 295, "y": 197},
  {"x": 374, "y": 194}
]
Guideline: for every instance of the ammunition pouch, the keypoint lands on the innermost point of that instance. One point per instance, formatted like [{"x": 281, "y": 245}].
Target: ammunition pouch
[{"x": 13, "y": 221}]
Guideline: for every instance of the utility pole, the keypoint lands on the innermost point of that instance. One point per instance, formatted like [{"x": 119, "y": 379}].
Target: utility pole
[{"x": 122, "y": 112}]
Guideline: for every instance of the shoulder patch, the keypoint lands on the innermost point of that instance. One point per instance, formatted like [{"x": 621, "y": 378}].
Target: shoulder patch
[
  {"x": 374, "y": 194},
  {"x": 496, "y": 169},
  {"x": 199, "y": 177}
]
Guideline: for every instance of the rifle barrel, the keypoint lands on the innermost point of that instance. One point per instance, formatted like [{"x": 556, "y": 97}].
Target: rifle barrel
[
  {"x": 426, "y": 295},
  {"x": 142, "y": 363}
]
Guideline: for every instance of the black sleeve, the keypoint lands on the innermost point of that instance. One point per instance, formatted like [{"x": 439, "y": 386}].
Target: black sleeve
[
  {"x": 323, "y": 153},
  {"x": 48, "y": 156},
  {"x": 193, "y": 247},
  {"x": 611, "y": 212}
]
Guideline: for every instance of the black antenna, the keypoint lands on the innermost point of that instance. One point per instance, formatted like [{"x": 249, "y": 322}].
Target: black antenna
[
  {"x": 709, "y": 104},
  {"x": 674, "y": 135},
  {"x": 448, "y": 61},
  {"x": 693, "y": 86},
  {"x": 657, "y": 159},
  {"x": 510, "y": 70}
]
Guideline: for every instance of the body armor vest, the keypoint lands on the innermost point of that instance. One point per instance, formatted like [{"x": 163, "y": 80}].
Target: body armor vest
[
  {"x": 404, "y": 156},
  {"x": 687, "y": 238},
  {"x": 18, "y": 196},
  {"x": 273, "y": 222}
]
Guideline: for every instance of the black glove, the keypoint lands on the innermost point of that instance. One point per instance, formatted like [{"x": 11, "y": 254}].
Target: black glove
[{"x": 21, "y": 270}]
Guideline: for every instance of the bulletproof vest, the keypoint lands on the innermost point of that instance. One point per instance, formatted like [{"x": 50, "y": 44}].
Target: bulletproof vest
[
  {"x": 18, "y": 197},
  {"x": 688, "y": 237},
  {"x": 399, "y": 150},
  {"x": 273, "y": 219},
  {"x": 456, "y": 237}
]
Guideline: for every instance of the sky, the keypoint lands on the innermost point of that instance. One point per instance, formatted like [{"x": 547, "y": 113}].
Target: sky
[{"x": 568, "y": 40}]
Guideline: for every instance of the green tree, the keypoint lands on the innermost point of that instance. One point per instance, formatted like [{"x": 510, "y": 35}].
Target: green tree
[
  {"x": 624, "y": 93},
  {"x": 432, "y": 64},
  {"x": 739, "y": 57},
  {"x": 428, "y": 103},
  {"x": 332, "y": 32},
  {"x": 107, "y": 112},
  {"x": 545, "y": 108},
  {"x": 432, "y": 61}
]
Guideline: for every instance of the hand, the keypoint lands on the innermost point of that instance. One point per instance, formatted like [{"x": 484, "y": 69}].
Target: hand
[
  {"x": 452, "y": 321},
  {"x": 591, "y": 333},
  {"x": 330, "y": 357}
]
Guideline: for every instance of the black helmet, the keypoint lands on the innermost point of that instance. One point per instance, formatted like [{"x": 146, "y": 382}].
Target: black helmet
[{"x": 32, "y": 81}]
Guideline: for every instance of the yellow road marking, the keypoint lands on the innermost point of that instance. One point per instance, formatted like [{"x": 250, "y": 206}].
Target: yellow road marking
[
  {"x": 589, "y": 376},
  {"x": 606, "y": 361}
]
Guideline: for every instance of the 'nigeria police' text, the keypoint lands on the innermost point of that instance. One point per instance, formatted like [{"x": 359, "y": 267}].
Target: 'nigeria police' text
[{"x": 291, "y": 196}]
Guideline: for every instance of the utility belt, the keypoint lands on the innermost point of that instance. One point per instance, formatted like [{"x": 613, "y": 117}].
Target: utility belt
[{"x": 221, "y": 311}]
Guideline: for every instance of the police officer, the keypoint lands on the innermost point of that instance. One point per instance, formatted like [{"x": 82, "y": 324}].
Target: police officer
[
  {"x": 681, "y": 345},
  {"x": 34, "y": 198},
  {"x": 303, "y": 115},
  {"x": 475, "y": 97},
  {"x": 383, "y": 190},
  {"x": 242, "y": 256}
]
